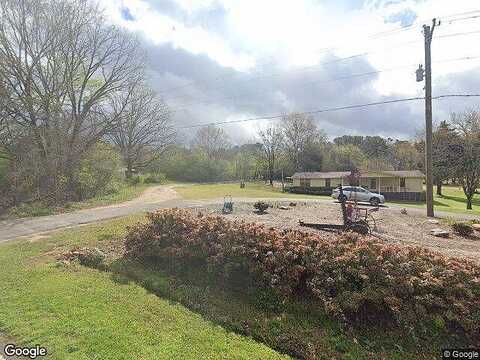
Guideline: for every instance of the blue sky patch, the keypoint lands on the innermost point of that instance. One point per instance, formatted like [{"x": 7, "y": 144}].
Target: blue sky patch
[
  {"x": 405, "y": 17},
  {"x": 126, "y": 14}
]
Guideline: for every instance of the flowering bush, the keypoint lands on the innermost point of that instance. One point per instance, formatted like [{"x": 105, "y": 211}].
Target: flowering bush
[{"x": 356, "y": 279}]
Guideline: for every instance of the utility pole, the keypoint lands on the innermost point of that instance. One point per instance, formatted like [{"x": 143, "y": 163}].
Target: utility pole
[{"x": 428, "y": 35}]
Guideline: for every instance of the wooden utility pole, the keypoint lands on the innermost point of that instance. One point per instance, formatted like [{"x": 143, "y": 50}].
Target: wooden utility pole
[{"x": 428, "y": 34}]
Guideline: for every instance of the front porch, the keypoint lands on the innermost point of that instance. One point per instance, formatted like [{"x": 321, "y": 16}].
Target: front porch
[{"x": 381, "y": 184}]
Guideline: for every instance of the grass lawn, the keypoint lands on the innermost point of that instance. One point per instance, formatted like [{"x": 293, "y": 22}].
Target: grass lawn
[
  {"x": 251, "y": 190},
  {"x": 82, "y": 313},
  {"x": 453, "y": 200},
  {"x": 125, "y": 193}
]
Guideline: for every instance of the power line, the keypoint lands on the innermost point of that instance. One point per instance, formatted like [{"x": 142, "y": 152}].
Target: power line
[
  {"x": 333, "y": 109},
  {"x": 440, "y": 97},
  {"x": 306, "y": 68},
  {"x": 370, "y": 73},
  {"x": 373, "y": 36},
  {"x": 442, "y": 18},
  {"x": 457, "y": 34},
  {"x": 211, "y": 101},
  {"x": 272, "y": 117},
  {"x": 311, "y": 68}
]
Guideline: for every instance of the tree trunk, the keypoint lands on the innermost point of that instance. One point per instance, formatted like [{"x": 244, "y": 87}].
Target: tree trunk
[
  {"x": 439, "y": 188},
  {"x": 128, "y": 172},
  {"x": 469, "y": 202}
]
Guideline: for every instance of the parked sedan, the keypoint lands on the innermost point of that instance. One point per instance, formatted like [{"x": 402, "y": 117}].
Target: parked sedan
[{"x": 357, "y": 193}]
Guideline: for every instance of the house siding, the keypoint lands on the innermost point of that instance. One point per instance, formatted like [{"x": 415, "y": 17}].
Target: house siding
[
  {"x": 386, "y": 184},
  {"x": 414, "y": 184}
]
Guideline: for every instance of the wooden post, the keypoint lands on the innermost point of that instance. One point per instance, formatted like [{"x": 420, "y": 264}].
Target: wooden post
[{"x": 428, "y": 35}]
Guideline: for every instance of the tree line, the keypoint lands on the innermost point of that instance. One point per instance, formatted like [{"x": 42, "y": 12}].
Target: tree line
[
  {"x": 75, "y": 106},
  {"x": 296, "y": 144}
]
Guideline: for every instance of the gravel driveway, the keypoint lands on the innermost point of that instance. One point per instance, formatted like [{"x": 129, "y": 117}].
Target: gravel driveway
[{"x": 392, "y": 226}]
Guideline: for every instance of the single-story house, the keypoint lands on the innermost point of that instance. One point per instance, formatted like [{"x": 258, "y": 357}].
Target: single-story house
[{"x": 394, "y": 185}]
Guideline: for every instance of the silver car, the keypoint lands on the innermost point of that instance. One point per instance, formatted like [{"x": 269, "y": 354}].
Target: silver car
[{"x": 357, "y": 193}]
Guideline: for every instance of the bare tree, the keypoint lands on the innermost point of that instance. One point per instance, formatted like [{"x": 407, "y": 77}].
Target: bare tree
[
  {"x": 211, "y": 141},
  {"x": 144, "y": 130},
  {"x": 467, "y": 152},
  {"x": 300, "y": 133},
  {"x": 272, "y": 138},
  {"x": 61, "y": 67}
]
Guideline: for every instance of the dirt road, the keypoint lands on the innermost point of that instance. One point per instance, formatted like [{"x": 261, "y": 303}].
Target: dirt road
[{"x": 152, "y": 199}]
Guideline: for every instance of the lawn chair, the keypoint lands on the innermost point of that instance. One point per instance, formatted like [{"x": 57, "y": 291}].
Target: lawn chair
[{"x": 227, "y": 204}]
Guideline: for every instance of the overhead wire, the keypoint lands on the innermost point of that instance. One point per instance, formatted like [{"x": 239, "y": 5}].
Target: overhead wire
[
  {"x": 373, "y": 36},
  {"x": 341, "y": 78},
  {"x": 194, "y": 100},
  {"x": 331, "y": 109}
]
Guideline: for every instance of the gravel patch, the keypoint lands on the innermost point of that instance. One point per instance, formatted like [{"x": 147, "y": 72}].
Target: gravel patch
[{"x": 391, "y": 225}]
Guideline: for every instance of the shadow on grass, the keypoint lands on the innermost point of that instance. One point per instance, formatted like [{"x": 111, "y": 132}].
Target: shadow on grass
[
  {"x": 461, "y": 200},
  {"x": 296, "y": 327}
]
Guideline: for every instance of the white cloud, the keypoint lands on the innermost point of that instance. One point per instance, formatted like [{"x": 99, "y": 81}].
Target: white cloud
[
  {"x": 160, "y": 29},
  {"x": 274, "y": 35}
]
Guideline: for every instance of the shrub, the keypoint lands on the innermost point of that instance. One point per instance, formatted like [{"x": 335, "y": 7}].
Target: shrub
[
  {"x": 261, "y": 207},
  {"x": 155, "y": 179},
  {"x": 356, "y": 279},
  {"x": 135, "y": 180},
  {"x": 99, "y": 172},
  {"x": 30, "y": 210},
  {"x": 462, "y": 228}
]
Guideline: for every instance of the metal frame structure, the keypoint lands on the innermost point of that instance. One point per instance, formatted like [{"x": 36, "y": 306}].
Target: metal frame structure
[{"x": 360, "y": 226}]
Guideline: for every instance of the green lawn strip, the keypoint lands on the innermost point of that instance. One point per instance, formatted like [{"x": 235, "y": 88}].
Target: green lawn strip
[
  {"x": 298, "y": 328},
  {"x": 251, "y": 190},
  {"x": 453, "y": 200},
  {"x": 81, "y": 313},
  {"x": 125, "y": 193}
]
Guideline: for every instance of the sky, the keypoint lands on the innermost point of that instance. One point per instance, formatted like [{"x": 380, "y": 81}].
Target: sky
[{"x": 222, "y": 60}]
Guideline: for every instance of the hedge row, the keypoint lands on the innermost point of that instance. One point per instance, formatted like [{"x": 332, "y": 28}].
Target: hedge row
[{"x": 356, "y": 279}]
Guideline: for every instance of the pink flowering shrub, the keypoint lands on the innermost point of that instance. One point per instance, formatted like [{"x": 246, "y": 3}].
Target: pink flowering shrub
[{"x": 357, "y": 279}]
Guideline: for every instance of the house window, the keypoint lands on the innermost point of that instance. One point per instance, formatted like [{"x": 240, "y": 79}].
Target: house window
[
  {"x": 402, "y": 182},
  {"x": 327, "y": 183},
  {"x": 373, "y": 184},
  {"x": 305, "y": 182}
]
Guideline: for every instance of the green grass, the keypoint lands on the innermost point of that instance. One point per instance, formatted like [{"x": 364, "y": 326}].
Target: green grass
[
  {"x": 298, "y": 327},
  {"x": 453, "y": 200},
  {"x": 82, "y": 313},
  {"x": 126, "y": 192},
  {"x": 251, "y": 190}
]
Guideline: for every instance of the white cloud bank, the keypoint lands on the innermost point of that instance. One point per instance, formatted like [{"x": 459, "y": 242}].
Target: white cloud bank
[{"x": 245, "y": 37}]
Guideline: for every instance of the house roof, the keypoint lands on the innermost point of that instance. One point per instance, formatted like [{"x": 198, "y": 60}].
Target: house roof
[
  {"x": 340, "y": 174},
  {"x": 405, "y": 173},
  {"x": 320, "y": 175}
]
